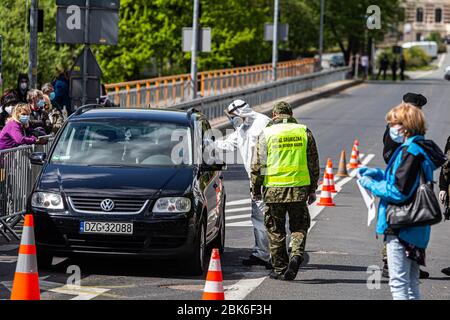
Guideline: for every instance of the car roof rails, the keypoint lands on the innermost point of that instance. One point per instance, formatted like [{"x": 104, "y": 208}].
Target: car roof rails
[
  {"x": 191, "y": 111},
  {"x": 86, "y": 108}
]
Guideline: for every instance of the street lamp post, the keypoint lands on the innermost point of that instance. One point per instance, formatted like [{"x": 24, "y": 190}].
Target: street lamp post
[
  {"x": 275, "y": 41},
  {"x": 322, "y": 12},
  {"x": 195, "y": 31},
  {"x": 32, "y": 62}
]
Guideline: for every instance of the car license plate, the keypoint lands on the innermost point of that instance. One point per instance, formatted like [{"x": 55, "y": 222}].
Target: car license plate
[{"x": 106, "y": 227}]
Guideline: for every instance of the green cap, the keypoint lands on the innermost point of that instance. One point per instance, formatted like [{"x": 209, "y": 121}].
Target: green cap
[{"x": 282, "y": 108}]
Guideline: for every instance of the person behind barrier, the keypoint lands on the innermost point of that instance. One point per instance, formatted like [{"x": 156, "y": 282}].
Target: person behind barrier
[
  {"x": 285, "y": 173},
  {"x": 17, "y": 129},
  {"x": 398, "y": 184},
  {"x": 7, "y": 103},
  {"x": 248, "y": 125},
  {"x": 39, "y": 120}
]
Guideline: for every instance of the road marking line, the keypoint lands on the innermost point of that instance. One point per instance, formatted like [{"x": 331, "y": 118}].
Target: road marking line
[
  {"x": 315, "y": 210},
  {"x": 238, "y": 217},
  {"x": 247, "y": 223},
  {"x": 242, "y": 288},
  {"x": 239, "y": 202},
  {"x": 243, "y": 209},
  {"x": 81, "y": 292}
]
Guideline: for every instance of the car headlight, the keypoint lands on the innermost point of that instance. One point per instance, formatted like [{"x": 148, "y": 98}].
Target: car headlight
[
  {"x": 45, "y": 200},
  {"x": 172, "y": 205}
]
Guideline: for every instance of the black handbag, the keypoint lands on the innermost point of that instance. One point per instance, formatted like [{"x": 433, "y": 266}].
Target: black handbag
[{"x": 421, "y": 210}]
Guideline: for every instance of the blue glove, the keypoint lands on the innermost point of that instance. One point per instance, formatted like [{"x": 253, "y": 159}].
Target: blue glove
[
  {"x": 374, "y": 173},
  {"x": 366, "y": 182}
]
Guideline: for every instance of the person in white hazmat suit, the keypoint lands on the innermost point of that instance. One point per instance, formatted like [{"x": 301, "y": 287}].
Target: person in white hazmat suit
[{"x": 248, "y": 125}]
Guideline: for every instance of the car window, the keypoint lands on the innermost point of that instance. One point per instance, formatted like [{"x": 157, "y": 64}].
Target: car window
[{"x": 125, "y": 143}]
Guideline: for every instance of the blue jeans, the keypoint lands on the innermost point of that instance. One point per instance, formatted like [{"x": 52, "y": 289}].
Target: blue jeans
[{"x": 403, "y": 272}]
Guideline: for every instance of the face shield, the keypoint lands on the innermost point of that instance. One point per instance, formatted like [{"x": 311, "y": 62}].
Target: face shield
[{"x": 236, "y": 112}]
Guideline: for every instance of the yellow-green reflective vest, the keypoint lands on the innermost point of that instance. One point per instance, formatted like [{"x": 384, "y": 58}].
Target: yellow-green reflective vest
[{"x": 287, "y": 163}]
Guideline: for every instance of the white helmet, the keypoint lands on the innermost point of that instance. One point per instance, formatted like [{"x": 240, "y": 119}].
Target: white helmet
[{"x": 235, "y": 106}]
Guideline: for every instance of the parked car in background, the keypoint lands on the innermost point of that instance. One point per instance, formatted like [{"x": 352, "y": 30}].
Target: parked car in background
[
  {"x": 337, "y": 60},
  {"x": 431, "y": 48}
]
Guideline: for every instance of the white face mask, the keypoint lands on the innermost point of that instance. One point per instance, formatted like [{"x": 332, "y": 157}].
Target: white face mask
[
  {"x": 396, "y": 134},
  {"x": 24, "y": 86},
  {"x": 237, "y": 122}
]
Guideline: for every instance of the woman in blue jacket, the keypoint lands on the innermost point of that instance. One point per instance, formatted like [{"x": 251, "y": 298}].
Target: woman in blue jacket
[{"x": 397, "y": 184}]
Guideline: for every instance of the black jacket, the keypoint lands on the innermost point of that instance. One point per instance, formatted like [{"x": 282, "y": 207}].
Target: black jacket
[{"x": 444, "y": 179}]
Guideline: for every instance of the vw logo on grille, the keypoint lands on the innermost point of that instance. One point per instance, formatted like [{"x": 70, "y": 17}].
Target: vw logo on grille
[{"x": 107, "y": 205}]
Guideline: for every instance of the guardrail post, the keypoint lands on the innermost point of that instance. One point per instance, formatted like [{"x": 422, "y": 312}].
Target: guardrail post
[
  {"x": 117, "y": 97},
  {"x": 147, "y": 96},
  {"x": 128, "y": 95},
  {"x": 174, "y": 91},
  {"x": 157, "y": 93},
  {"x": 202, "y": 84},
  {"x": 138, "y": 95}
]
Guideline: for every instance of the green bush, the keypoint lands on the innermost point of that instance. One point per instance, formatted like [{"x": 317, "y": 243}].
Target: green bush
[{"x": 416, "y": 58}]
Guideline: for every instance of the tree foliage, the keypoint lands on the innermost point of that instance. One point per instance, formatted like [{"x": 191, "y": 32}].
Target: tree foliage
[
  {"x": 14, "y": 30},
  {"x": 150, "y": 34},
  {"x": 346, "y": 22}
]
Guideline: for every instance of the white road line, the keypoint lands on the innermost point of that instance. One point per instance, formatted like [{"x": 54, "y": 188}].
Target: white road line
[
  {"x": 242, "y": 209},
  {"x": 247, "y": 223},
  {"x": 242, "y": 288},
  {"x": 239, "y": 202},
  {"x": 238, "y": 217},
  {"x": 315, "y": 210}
]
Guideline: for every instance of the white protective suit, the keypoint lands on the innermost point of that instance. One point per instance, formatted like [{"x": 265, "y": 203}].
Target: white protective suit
[{"x": 244, "y": 139}]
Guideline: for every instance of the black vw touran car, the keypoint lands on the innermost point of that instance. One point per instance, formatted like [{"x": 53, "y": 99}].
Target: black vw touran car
[{"x": 130, "y": 183}]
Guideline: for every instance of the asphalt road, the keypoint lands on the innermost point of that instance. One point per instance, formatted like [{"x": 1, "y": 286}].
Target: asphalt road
[{"x": 340, "y": 246}]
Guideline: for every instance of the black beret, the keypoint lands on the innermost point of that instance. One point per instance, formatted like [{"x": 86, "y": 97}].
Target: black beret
[{"x": 415, "y": 99}]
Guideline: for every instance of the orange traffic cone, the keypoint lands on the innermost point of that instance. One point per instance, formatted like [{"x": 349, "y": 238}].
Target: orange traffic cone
[
  {"x": 26, "y": 280},
  {"x": 214, "y": 286},
  {"x": 330, "y": 175},
  {"x": 342, "y": 171},
  {"x": 354, "y": 160},
  {"x": 326, "y": 199}
]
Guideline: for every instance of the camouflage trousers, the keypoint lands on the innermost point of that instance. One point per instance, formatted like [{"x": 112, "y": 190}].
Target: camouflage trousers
[{"x": 275, "y": 222}]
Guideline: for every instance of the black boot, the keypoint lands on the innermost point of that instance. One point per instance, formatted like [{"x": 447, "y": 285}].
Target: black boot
[
  {"x": 424, "y": 274},
  {"x": 446, "y": 271},
  {"x": 276, "y": 276},
  {"x": 385, "y": 273},
  {"x": 292, "y": 270}
]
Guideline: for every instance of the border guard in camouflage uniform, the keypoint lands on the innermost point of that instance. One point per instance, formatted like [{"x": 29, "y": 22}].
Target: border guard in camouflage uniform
[{"x": 284, "y": 173}]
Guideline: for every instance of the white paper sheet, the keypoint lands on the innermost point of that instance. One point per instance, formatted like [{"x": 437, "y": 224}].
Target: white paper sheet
[{"x": 369, "y": 200}]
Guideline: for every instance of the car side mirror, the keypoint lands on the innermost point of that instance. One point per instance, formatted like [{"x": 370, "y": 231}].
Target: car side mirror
[{"x": 38, "y": 158}]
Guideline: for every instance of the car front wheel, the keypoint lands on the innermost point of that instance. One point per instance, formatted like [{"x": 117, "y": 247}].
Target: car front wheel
[{"x": 196, "y": 264}]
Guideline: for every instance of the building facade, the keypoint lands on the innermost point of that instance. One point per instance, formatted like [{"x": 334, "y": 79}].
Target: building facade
[{"x": 425, "y": 16}]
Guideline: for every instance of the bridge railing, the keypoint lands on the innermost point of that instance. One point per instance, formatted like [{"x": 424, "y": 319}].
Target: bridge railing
[
  {"x": 168, "y": 91},
  {"x": 213, "y": 106}
]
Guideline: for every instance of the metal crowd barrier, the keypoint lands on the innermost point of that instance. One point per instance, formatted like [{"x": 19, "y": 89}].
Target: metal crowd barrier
[
  {"x": 17, "y": 177},
  {"x": 168, "y": 91},
  {"x": 213, "y": 107}
]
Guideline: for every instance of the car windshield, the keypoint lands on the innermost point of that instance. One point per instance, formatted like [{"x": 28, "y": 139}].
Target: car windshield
[{"x": 123, "y": 143}]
